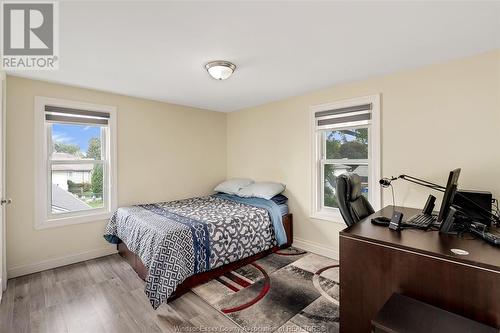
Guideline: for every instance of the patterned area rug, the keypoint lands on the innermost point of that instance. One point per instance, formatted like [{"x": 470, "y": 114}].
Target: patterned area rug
[{"x": 288, "y": 291}]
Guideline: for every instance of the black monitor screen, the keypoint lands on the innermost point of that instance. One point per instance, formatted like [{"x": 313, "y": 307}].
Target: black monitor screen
[{"x": 449, "y": 194}]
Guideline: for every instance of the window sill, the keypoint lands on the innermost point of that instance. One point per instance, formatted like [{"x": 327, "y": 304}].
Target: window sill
[
  {"x": 333, "y": 216},
  {"x": 71, "y": 220}
]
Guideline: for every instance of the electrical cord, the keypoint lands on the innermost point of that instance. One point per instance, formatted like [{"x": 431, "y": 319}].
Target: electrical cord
[
  {"x": 393, "y": 201},
  {"x": 469, "y": 225}
]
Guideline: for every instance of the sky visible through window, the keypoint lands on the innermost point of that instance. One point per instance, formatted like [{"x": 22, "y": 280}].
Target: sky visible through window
[
  {"x": 75, "y": 134},
  {"x": 340, "y": 135}
]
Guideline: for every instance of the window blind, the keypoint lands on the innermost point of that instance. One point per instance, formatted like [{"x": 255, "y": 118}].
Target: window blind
[
  {"x": 348, "y": 114},
  {"x": 78, "y": 116}
]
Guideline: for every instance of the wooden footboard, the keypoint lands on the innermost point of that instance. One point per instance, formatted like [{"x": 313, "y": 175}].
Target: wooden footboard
[
  {"x": 288, "y": 225},
  {"x": 197, "y": 279}
]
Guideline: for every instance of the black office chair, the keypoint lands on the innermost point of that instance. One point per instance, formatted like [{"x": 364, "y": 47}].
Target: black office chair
[{"x": 352, "y": 204}]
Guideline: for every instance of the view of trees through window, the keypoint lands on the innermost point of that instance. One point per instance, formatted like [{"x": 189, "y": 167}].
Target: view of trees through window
[
  {"x": 76, "y": 168},
  {"x": 344, "y": 151}
]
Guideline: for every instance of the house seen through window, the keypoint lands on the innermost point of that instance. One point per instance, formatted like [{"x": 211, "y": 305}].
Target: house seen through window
[{"x": 76, "y": 167}]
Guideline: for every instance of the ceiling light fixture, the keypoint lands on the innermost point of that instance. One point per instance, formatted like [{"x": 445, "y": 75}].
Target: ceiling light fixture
[{"x": 220, "y": 70}]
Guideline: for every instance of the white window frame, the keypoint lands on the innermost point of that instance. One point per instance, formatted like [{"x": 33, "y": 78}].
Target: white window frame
[
  {"x": 318, "y": 210},
  {"x": 43, "y": 214}
]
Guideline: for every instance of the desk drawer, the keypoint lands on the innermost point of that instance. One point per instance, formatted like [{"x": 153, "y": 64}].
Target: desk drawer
[{"x": 370, "y": 273}]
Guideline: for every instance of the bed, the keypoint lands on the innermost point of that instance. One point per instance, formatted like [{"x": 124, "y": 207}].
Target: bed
[{"x": 177, "y": 245}]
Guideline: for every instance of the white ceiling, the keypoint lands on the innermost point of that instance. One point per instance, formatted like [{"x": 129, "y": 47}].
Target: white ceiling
[{"x": 157, "y": 50}]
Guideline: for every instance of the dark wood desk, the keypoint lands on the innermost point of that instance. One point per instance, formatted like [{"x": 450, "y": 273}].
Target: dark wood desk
[{"x": 377, "y": 262}]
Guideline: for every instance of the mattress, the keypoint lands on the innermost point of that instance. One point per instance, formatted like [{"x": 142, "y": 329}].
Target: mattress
[{"x": 284, "y": 209}]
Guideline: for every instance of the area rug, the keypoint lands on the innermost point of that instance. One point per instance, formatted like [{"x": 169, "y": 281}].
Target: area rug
[{"x": 288, "y": 291}]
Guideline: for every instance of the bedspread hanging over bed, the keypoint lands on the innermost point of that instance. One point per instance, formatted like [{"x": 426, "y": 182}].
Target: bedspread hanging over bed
[{"x": 178, "y": 239}]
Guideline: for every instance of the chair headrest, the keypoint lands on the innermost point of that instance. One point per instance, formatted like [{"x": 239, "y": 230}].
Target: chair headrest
[{"x": 353, "y": 182}]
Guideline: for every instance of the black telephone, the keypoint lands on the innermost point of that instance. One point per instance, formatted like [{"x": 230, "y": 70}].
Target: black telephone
[
  {"x": 396, "y": 219},
  {"x": 429, "y": 205}
]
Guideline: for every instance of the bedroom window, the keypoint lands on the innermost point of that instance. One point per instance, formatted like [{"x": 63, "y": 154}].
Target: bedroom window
[
  {"x": 75, "y": 157},
  {"x": 346, "y": 138}
]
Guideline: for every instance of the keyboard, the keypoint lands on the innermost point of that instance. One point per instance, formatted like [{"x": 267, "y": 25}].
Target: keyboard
[{"x": 421, "y": 221}]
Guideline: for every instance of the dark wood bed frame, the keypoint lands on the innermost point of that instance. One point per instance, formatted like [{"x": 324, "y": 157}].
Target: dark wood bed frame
[{"x": 200, "y": 278}]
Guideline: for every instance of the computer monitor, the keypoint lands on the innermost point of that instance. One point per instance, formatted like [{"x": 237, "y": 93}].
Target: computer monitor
[{"x": 449, "y": 194}]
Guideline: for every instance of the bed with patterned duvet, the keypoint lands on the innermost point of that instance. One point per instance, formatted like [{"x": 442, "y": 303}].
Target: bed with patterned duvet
[{"x": 178, "y": 239}]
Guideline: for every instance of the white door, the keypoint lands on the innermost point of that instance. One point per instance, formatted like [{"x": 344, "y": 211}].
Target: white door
[{"x": 3, "y": 269}]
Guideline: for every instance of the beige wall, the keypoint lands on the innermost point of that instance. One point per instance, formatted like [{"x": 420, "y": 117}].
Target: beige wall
[
  {"x": 433, "y": 120},
  {"x": 165, "y": 152}
]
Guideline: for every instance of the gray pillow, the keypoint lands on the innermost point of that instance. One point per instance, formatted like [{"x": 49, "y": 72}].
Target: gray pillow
[
  {"x": 265, "y": 190},
  {"x": 232, "y": 186}
]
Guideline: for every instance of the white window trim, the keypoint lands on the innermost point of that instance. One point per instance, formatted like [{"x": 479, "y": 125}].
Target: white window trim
[
  {"x": 374, "y": 155},
  {"x": 41, "y": 220}
]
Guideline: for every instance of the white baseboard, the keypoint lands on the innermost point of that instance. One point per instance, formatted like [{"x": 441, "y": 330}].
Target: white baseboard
[
  {"x": 44, "y": 265},
  {"x": 316, "y": 248}
]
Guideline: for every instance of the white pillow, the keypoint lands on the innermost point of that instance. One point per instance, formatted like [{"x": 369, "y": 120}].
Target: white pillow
[
  {"x": 265, "y": 190},
  {"x": 232, "y": 186}
]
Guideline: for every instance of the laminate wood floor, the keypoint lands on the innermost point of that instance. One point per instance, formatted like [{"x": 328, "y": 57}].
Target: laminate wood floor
[{"x": 100, "y": 295}]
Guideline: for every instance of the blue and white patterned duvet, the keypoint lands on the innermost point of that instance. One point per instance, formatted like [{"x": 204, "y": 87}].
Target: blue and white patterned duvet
[{"x": 178, "y": 239}]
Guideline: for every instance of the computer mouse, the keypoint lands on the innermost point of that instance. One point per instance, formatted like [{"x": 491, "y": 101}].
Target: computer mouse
[{"x": 381, "y": 220}]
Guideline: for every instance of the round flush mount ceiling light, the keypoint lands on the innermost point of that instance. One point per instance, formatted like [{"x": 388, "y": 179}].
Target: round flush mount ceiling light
[{"x": 220, "y": 70}]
